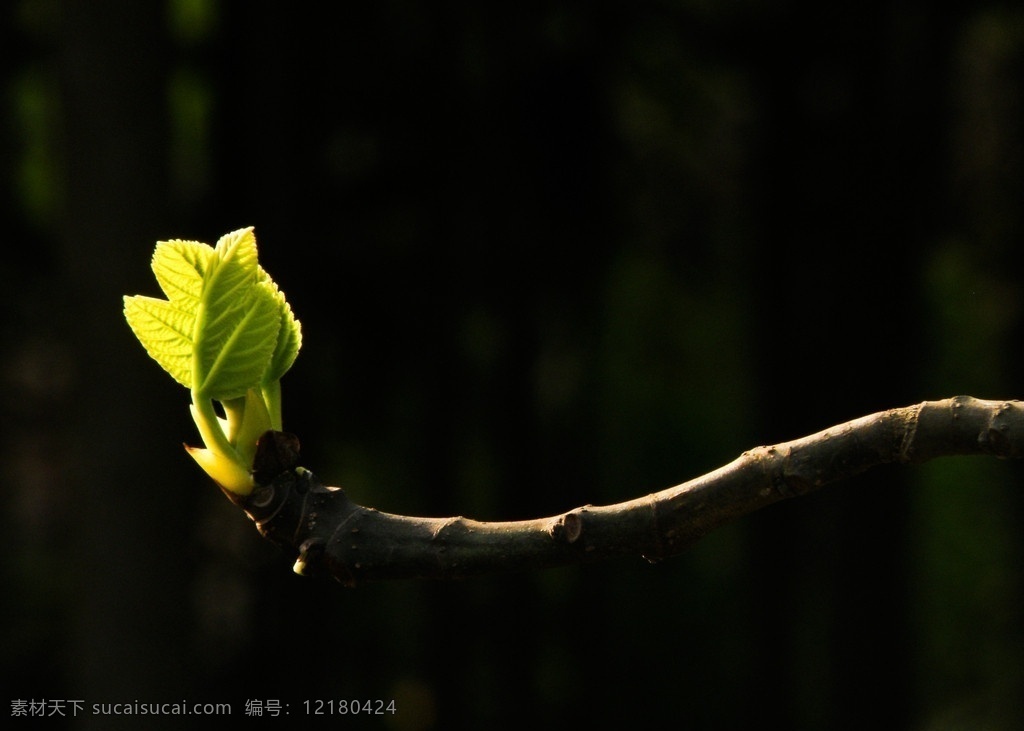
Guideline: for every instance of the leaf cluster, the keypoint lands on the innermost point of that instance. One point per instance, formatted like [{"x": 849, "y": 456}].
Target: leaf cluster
[
  {"x": 226, "y": 332},
  {"x": 225, "y": 326}
]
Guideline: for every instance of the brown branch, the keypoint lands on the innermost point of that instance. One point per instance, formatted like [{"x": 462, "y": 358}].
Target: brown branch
[{"x": 334, "y": 536}]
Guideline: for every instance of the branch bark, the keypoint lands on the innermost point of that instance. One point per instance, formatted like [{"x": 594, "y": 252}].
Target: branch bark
[{"x": 335, "y": 537}]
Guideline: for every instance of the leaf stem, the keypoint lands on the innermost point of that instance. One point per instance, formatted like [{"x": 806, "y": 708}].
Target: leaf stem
[{"x": 210, "y": 429}]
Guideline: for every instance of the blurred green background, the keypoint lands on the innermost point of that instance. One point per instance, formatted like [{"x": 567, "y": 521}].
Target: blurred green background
[{"x": 544, "y": 254}]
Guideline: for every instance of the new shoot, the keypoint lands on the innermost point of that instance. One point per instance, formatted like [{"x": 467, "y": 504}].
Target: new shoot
[{"x": 226, "y": 333}]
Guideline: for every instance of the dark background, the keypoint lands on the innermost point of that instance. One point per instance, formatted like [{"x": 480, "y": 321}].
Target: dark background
[{"x": 544, "y": 254}]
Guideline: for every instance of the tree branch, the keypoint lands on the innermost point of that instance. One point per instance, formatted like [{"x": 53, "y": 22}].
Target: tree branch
[{"x": 354, "y": 544}]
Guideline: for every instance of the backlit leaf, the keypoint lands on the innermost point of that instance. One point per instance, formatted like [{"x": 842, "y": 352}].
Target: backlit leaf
[
  {"x": 233, "y": 351},
  {"x": 165, "y": 331},
  {"x": 180, "y": 267},
  {"x": 289, "y": 336}
]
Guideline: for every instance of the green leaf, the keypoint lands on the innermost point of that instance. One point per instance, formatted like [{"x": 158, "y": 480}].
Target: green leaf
[
  {"x": 180, "y": 267},
  {"x": 233, "y": 272},
  {"x": 233, "y": 349},
  {"x": 235, "y": 328},
  {"x": 289, "y": 337},
  {"x": 166, "y": 328},
  {"x": 165, "y": 331}
]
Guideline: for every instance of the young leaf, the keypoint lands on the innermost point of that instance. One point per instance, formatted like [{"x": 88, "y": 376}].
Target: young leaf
[
  {"x": 180, "y": 267},
  {"x": 233, "y": 350},
  {"x": 236, "y": 321},
  {"x": 289, "y": 337},
  {"x": 165, "y": 331},
  {"x": 233, "y": 272}
]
